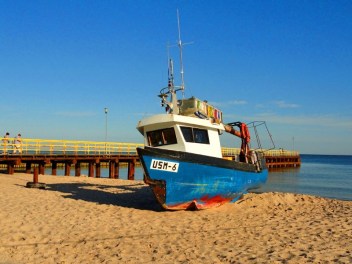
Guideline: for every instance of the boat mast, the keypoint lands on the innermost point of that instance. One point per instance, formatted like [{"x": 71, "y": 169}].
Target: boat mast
[{"x": 172, "y": 105}]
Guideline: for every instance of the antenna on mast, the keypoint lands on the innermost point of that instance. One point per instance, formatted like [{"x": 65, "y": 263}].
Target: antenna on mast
[
  {"x": 170, "y": 71},
  {"x": 180, "y": 45},
  {"x": 173, "y": 106}
]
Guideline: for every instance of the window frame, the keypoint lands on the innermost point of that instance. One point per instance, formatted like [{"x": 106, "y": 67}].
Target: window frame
[
  {"x": 198, "y": 135},
  {"x": 162, "y": 137}
]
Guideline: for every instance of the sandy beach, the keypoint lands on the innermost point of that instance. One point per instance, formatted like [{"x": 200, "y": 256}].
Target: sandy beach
[{"x": 91, "y": 220}]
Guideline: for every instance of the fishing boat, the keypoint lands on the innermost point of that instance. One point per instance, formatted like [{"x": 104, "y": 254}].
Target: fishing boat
[{"x": 182, "y": 155}]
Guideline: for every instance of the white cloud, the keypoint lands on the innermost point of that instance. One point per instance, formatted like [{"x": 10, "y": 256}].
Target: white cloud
[
  {"x": 283, "y": 104},
  {"x": 330, "y": 121},
  {"x": 278, "y": 104},
  {"x": 229, "y": 103}
]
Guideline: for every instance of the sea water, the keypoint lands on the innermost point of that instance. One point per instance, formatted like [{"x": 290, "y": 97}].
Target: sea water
[{"x": 320, "y": 175}]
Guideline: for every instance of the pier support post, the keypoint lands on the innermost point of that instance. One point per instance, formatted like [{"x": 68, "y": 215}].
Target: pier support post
[
  {"x": 10, "y": 168},
  {"x": 11, "y": 165},
  {"x": 78, "y": 169},
  {"x": 91, "y": 169},
  {"x": 97, "y": 169},
  {"x": 67, "y": 168},
  {"x": 131, "y": 169},
  {"x": 28, "y": 167},
  {"x": 111, "y": 169},
  {"x": 117, "y": 169},
  {"x": 36, "y": 183},
  {"x": 35, "y": 175},
  {"x": 41, "y": 168},
  {"x": 54, "y": 168}
]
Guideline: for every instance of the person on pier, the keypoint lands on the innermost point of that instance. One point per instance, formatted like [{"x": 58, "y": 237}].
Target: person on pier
[
  {"x": 5, "y": 142},
  {"x": 17, "y": 144}
]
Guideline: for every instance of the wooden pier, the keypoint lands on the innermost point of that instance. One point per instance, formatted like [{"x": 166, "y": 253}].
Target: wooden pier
[
  {"x": 77, "y": 154},
  {"x": 76, "y": 161},
  {"x": 283, "y": 161},
  {"x": 273, "y": 158},
  {"x": 71, "y": 154}
]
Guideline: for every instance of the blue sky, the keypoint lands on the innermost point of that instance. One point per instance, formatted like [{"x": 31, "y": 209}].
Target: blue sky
[{"x": 286, "y": 62}]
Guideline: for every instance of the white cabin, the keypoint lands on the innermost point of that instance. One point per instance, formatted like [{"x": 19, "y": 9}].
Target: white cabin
[{"x": 182, "y": 133}]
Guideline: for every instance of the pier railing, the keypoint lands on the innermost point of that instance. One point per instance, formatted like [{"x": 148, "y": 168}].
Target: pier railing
[
  {"x": 231, "y": 152},
  {"x": 78, "y": 147},
  {"x": 274, "y": 158},
  {"x": 69, "y": 147},
  {"x": 281, "y": 153}
]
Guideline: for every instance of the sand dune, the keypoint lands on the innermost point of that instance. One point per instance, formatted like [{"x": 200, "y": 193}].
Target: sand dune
[{"x": 90, "y": 220}]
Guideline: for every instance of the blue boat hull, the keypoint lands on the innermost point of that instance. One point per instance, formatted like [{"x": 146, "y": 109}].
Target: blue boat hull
[{"x": 182, "y": 180}]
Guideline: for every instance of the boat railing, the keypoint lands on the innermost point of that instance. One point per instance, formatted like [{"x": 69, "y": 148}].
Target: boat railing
[{"x": 166, "y": 90}]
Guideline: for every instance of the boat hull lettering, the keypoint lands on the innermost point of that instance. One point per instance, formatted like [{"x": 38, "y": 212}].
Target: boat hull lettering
[{"x": 162, "y": 165}]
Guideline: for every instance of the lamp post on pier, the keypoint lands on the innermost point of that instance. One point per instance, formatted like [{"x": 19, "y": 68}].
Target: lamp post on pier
[{"x": 106, "y": 127}]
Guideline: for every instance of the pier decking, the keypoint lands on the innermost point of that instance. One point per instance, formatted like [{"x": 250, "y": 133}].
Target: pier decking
[{"x": 42, "y": 153}]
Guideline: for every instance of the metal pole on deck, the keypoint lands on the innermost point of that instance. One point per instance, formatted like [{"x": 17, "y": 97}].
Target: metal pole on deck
[
  {"x": 106, "y": 128},
  {"x": 36, "y": 183}
]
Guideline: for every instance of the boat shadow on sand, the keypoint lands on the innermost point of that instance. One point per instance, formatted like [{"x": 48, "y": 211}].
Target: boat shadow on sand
[{"x": 137, "y": 196}]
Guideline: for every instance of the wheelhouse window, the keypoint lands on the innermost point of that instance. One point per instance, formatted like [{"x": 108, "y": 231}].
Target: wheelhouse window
[
  {"x": 161, "y": 137},
  {"x": 195, "y": 135},
  {"x": 187, "y": 134}
]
